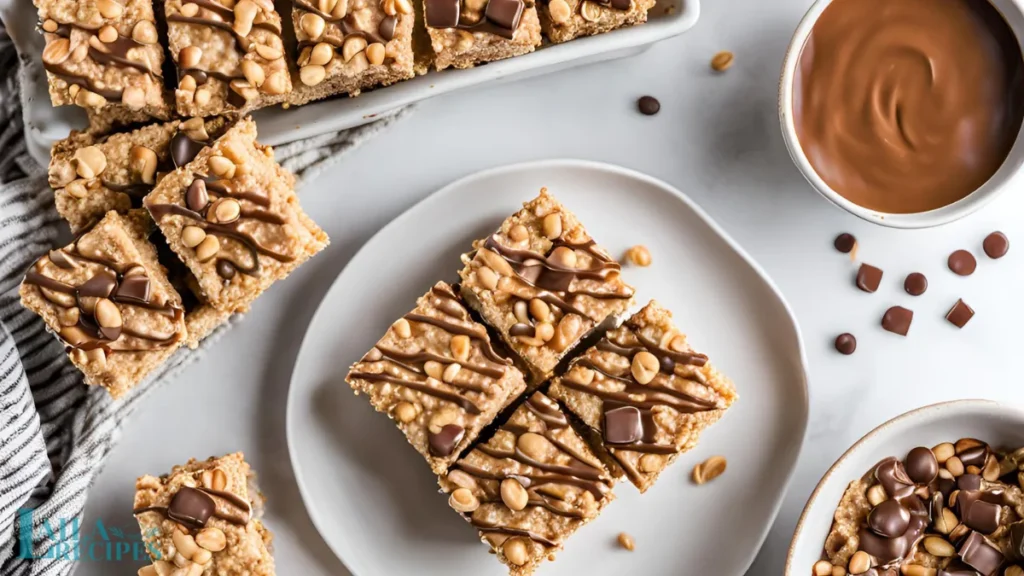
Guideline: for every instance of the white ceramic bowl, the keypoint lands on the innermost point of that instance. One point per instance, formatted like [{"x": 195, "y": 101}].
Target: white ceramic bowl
[
  {"x": 997, "y": 424},
  {"x": 1013, "y": 12}
]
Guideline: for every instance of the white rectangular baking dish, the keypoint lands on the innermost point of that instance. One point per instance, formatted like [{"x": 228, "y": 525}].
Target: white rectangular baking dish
[{"x": 47, "y": 124}]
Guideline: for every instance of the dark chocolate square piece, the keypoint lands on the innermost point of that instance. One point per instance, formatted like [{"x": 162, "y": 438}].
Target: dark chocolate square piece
[
  {"x": 960, "y": 314},
  {"x": 897, "y": 320},
  {"x": 504, "y": 13},
  {"x": 868, "y": 278},
  {"x": 442, "y": 13}
]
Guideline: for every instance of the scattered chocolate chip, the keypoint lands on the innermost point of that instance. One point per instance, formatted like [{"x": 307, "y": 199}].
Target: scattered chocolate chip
[
  {"x": 960, "y": 314},
  {"x": 183, "y": 148},
  {"x": 846, "y": 343},
  {"x": 897, "y": 320},
  {"x": 1017, "y": 541},
  {"x": 61, "y": 260},
  {"x": 921, "y": 465},
  {"x": 101, "y": 285},
  {"x": 868, "y": 278},
  {"x": 196, "y": 198},
  {"x": 444, "y": 442},
  {"x": 968, "y": 482},
  {"x": 889, "y": 519},
  {"x": 225, "y": 269},
  {"x": 845, "y": 243},
  {"x": 504, "y": 13},
  {"x": 978, "y": 514},
  {"x": 648, "y": 105},
  {"x": 191, "y": 507},
  {"x": 133, "y": 288},
  {"x": 996, "y": 245},
  {"x": 915, "y": 284},
  {"x": 623, "y": 425},
  {"x": 962, "y": 263},
  {"x": 978, "y": 553}
]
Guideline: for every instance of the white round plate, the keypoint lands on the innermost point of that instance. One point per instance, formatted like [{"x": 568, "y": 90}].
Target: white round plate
[
  {"x": 375, "y": 501},
  {"x": 998, "y": 424}
]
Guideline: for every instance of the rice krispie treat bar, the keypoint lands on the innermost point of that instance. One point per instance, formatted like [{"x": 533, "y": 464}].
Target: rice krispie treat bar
[
  {"x": 530, "y": 486},
  {"x": 955, "y": 509},
  {"x": 436, "y": 375},
  {"x": 564, "y": 20},
  {"x": 107, "y": 298},
  {"x": 346, "y": 46},
  {"x": 230, "y": 55},
  {"x": 204, "y": 519},
  {"x": 543, "y": 283},
  {"x": 93, "y": 175},
  {"x": 233, "y": 218},
  {"x": 644, "y": 394},
  {"x": 464, "y": 33},
  {"x": 103, "y": 55}
]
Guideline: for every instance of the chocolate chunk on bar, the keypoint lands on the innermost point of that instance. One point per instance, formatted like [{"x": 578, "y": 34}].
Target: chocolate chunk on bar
[
  {"x": 644, "y": 394},
  {"x": 104, "y": 55},
  {"x": 93, "y": 175},
  {"x": 204, "y": 518},
  {"x": 230, "y": 55},
  {"x": 530, "y": 486},
  {"x": 233, "y": 218},
  {"x": 464, "y": 33},
  {"x": 108, "y": 300},
  {"x": 543, "y": 283},
  {"x": 564, "y": 20},
  {"x": 346, "y": 46},
  {"x": 436, "y": 375}
]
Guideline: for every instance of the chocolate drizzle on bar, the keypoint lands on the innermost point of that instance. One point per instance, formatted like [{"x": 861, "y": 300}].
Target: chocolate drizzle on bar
[
  {"x": 544, "y": 482},
  {"x": 349, "y": 26},
  {"x": 193, "y": 508},
  {"x": 408, "y": 369},
  {"x": 126, "y": 285},
  {"x": 213, "y": 189},
  {"x": 628, "y": 413},
  {"x": 501, "y": 17}
]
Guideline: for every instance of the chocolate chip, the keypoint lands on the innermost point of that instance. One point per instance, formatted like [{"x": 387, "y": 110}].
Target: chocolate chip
[
  {"x": 889, "y": 519},
  {"x": 915, "y": 284},
  {"x": 1017, "y": 541},
  {"x": 61, "y": 260},
  {"x": 387, "y": 27},
  {"x": 225, "y": 269},
  {"x": 648, "y": 105},
  {"x": 134, "y": 288},
  {"x": 897, "y": 320},
  {"x": 183, "y": 148},
  {"x": 969, "y": 482},
  {"x": 996, "y": 245},
  {"x": 962, "y": 263},
  {"x": 444, "y": 442},
  {"x": 975, "y": 456},
  {"x": 504, "y": 13},
  {"x": 921, "y": 465},
  {"x": 960, "y": 314},
  {"x": 191, "y": 508},
  {"x": 846, "y": 343},
  {"x": 845, "y": 243},
  {"x": 442, "y": 13},
  {"x": 891, "y": 474},
  {"x": 99, "y": 286},
  {"x": 978, "y": 514},
  {"x": 978, "y": 553},
  {"x": 196, "y": 198},
  {"x": 868, "y": 278},
  {"x": 110, "y": 332},
  {"x": 623, "y": 425}
]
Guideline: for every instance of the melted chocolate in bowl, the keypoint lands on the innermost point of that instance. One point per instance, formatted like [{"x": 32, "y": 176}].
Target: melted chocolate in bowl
[{"x": 905, "y": 106}]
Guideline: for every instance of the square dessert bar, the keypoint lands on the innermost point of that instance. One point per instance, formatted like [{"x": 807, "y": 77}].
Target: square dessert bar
[
  {"x": 530, "y": 486},
  {"x": 564, "y": 20},
  {"x": 230, "y": 55},
  {"x": 543, "y": 283},
  {"x": 346, "y": 46},
  {"x": 107, "y": 298},
  {"x": 233, "y": 218},
  {"x": 436, "y": 375},
  {"x": 93, "y": 175},
  {"x": 464, "y": 33},
  {"x": 204, "y": 518},
  {"x": 104, "y": 55},
  {"x": 644, "y": 395}
]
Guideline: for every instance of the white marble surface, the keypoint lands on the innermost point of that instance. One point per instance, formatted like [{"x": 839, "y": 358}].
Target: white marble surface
[{"x": 717, "y": 139}]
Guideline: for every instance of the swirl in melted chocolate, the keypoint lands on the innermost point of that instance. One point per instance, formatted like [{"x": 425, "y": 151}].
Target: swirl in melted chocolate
[{"x": 905, "y": 106}]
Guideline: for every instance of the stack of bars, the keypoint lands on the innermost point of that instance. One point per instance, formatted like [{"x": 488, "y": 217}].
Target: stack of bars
[
  {"x": 178, "y": 225},
  {"x": 626, "y": 405},
  {"x": 234, "y": 56}
]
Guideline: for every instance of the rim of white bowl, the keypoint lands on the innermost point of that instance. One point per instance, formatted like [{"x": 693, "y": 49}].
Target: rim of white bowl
[
  {"x": 967, "y": 205},
  {"x": 881, "y": 428}
]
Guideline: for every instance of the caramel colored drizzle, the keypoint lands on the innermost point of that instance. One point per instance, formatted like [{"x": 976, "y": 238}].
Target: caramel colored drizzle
[{"x": 110, "y": 279}]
